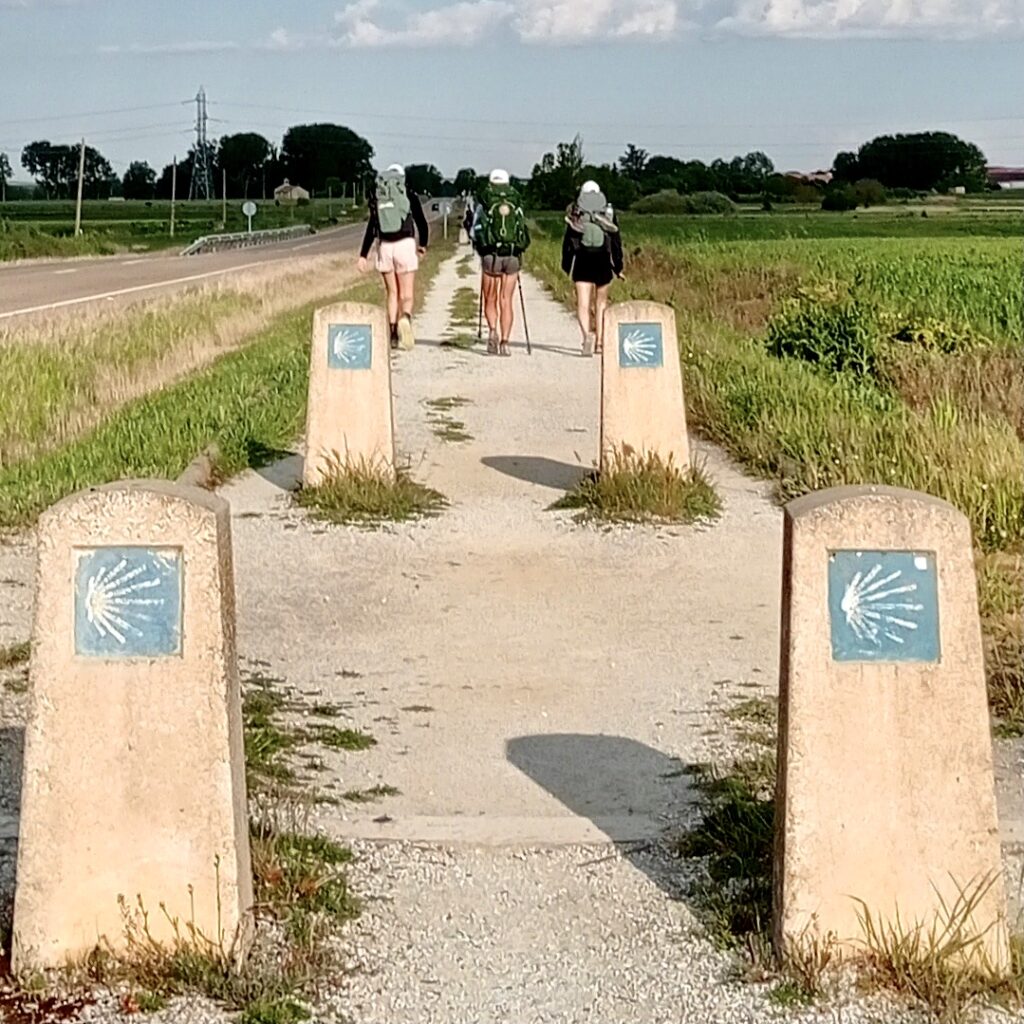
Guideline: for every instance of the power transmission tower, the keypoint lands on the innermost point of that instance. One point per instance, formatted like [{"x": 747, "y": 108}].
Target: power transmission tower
[{"x": 201, "y": 186}]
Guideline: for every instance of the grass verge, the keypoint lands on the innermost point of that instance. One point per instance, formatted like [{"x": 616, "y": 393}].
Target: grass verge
[
  {"x": 827, "y": 362},
  {"x": 251, "y": 404},
  {"x": 61, "y": 375},
  {"x": 644, "y": 490}
]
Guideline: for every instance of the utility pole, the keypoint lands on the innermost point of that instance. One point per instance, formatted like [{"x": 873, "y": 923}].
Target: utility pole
[
  {"x": 174, "y": 191},
  {"x": 330, "y": 201},
  {"x": 81, "y": 181},
  {"x": 224, "y": 195}
]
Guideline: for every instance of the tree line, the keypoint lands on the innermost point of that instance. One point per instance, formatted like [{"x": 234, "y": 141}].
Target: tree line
[{"x": 323, "y": 157}]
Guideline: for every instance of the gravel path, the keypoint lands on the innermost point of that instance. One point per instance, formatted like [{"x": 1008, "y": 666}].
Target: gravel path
[{"x": 536, "y": 689}]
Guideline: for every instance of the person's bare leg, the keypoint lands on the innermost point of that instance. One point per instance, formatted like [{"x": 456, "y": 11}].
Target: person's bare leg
[
  {"x": 391, "y": 291},
  {"x": 508, "y": 308},
  {"x": 584, "y": 291},
  {"x": 490, "y": 286},
  {"x": 600, "y": 305},
  {"x": 407, "y": 292},
  {"x": 584, "y": 302}
]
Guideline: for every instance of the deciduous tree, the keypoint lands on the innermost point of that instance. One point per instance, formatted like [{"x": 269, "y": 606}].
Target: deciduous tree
[
  {"x": 244, "y": 157},
  {"x": 312, "y": 153},
  {"x": 139, "y": 181}
]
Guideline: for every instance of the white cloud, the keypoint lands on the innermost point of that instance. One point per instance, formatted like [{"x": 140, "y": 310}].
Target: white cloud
[
  {"x": 569, "y": 21},
  {"x": 459, "y": 24},
  {"x": 390, "y": 23},
  {"x": 365, "y": 23},
  {"x": 833, "y": 19},
  {"x": 195, "y": 46}
]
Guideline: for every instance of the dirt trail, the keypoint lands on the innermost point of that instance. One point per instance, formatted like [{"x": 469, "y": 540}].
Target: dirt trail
[{"x": 535, "y": 688}]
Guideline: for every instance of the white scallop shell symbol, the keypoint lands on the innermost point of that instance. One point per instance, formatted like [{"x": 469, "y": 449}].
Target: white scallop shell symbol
[
  {"x": 349, "y": 346},
  {"x": 113, "y": 598},
  {"x": 639, "y": 347},
  {"x": 870, "y": 611}
]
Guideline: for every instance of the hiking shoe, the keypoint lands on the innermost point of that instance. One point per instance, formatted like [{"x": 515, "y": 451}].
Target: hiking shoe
[
  {"x": 405, "y": 335},
  {"x": 504, "y": 349},
  {"x": 492, "y": 344},
  {"x": 588, "y": 345}
]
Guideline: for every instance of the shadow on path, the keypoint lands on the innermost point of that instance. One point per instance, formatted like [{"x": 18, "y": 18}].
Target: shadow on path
[
  {"x": 536, "y": 469},
  {"x": 623, "y": 786},
  {"x": 480, "y": 348},
  {"x": 278, "y": 466},
  {"x": 12, "y": 745}
]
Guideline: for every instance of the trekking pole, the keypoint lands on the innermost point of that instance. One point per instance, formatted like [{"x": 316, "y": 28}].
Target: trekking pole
[
  {"x": 480, "y": 312},
  {"x": 526, "y": 328}
]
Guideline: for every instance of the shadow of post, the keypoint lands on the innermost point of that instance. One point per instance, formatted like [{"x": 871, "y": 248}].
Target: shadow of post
[
  {"x": 536, "y": 469},
  {"x": 12, "y": 746},
  {"x": 630, "y": 791}
]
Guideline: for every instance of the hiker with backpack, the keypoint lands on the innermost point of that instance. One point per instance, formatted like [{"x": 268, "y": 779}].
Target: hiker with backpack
[
  {"x": 500, "y": 237},
  {"x": 592, "y": 257},
  {"x": 396, "y": 219}
]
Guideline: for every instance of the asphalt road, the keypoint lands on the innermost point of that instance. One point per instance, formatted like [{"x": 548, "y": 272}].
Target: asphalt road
[{"x": 51, "y": 285}]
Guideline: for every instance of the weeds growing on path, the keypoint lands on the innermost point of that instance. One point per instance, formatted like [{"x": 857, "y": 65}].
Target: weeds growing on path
[
  {"x": 644, "y": 490},
  {"x": 301, "y": 890},
  {"x": 367, "y": 494}
]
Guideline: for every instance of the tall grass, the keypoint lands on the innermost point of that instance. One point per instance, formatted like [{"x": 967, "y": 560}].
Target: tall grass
[
  {"x": 60, "y": 375},
  {"x": 916, "y": 382},
  {"x": 251, "y": 403}
]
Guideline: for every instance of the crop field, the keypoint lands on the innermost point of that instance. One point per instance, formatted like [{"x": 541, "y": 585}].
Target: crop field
[
  {"x": 30, "y": 228},
  {"x": 895, "y": 357}
]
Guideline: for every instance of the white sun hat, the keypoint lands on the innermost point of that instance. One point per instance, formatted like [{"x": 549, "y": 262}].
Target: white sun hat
[
  {"x": 590, "y": 186},
  {"x": 499, "y": 177},
  {"x": 397, "y": 169}
]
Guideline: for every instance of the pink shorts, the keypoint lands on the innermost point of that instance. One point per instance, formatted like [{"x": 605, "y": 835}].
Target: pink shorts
[{"x": 398, "y": 257}]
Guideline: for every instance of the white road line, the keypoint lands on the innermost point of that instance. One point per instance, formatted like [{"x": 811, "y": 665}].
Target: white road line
[
  {"x": 131, "y": 263},
  {"x": 305, "y": 245},
  {"x": 127, "y": 291},
  {"x": 70, "y": 270}
]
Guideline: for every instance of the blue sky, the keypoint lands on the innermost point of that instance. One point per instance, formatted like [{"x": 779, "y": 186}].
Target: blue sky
[{"x": 498, "y": 82}]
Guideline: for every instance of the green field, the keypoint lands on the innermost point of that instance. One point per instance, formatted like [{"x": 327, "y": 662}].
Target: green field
[
  {"x": 37, "y": 228},
  {"x": 881, "y": 349}
]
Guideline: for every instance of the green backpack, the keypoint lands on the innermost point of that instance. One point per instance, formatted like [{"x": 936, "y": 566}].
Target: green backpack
[
  {"x": 596, "y": 225},
  {"x": 392, "y": 202},
  {"x": 502, "y": 229}
]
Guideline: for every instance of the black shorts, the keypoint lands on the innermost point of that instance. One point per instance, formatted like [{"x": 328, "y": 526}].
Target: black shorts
[{"x": 592, "y": 266}]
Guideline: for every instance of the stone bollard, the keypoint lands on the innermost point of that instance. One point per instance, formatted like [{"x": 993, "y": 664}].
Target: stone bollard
[
  {"x": 643, "y": 411},
  {"x": 134, "y": 780},
  {"x": 885, "y": 789},
  {"x": 349, "y": 420}
]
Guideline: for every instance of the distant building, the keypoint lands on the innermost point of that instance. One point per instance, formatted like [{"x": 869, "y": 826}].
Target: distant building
[
  {"x": 1008, "y": 177},
  {"x": 289, "y": 193}
]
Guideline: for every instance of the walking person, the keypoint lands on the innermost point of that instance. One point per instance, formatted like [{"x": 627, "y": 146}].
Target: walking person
[
  {"x": 399, "y": 228},
  {"x": 500, "y": 237},
  {"x": 592, "y": 257}
]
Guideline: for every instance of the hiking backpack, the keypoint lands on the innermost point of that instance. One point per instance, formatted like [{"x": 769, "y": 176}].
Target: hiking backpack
[
  {"x": 393, "y": 204},
  {"x": 596, "y": 225},
  {"x": 502, "y": 228}
]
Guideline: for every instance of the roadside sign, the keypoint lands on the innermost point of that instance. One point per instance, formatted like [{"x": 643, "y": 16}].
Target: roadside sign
[{"x": 249, "y": 209}]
